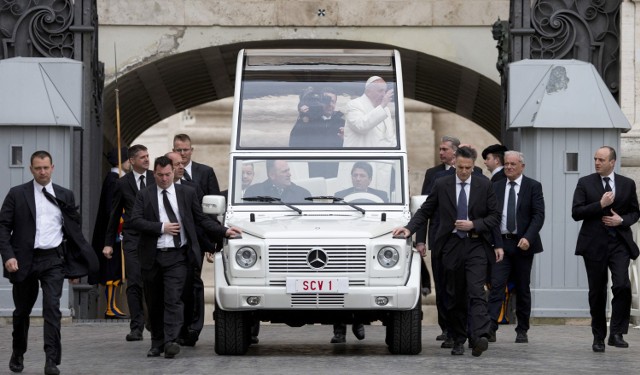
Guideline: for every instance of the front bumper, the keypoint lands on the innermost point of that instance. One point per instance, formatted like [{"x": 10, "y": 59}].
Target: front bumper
[{"x": 402, "y": 297}]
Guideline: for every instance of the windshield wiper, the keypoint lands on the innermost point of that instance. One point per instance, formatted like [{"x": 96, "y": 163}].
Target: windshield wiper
[
  {"x": 266, "y": 198},
  {"x": 336, "y": 199}
]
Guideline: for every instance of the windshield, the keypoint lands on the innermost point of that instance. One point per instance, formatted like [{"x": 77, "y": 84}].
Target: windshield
[
  {"x": 356, "y": 180},
  {"x": 310, "y": 110}
]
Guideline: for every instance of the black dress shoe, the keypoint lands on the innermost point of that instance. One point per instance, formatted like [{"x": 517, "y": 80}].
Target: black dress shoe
[
  {"x": 338, "y": 338},
  {"x": 598, "y": 346},
  {"x": 448, "y": 343},
  {"x": 358, "y": 331},
  {"x": 171, "y": 349},
  {"x": 154, "y": 352},
  {"x": 480, "y": 346},
  {"x": 255, "y": 339},
  {"x": 134, "y": 336},
  {"x": 522, "y": 338},
  {"x": 16, "y": 363},
  {"x": 50, "y": 368},
  {"x": 617, "y": 341},
  {"x": 441, "y": 337},
  {"x": 458, "y": 349}
]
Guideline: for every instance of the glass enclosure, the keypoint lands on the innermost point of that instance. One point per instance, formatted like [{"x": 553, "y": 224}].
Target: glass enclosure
[
  {"x": 314, "y": 105},
  {"x": 293, "y": 180}
]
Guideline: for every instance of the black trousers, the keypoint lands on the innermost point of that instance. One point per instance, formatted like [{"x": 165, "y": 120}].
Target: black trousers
[
  {"x": 135, "y": 295},
  {"x": 193, "y": 299},
  {"x": 47, "y": 270},
  {"x": 465, "y": 263},
  {"x": 163, "y": 285},
  {"x": 439, "y": 281},
  {"x": 617, "y": 260},
  {"x": 517, "y": 264}
]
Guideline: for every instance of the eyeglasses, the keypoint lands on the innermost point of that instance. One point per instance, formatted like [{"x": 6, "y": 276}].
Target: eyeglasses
[{"x": 181, "y": 150}]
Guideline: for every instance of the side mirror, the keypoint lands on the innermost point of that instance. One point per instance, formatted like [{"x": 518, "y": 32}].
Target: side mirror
[
  {"x": 416, "y": 202},
  {"x": 214, "y": 204}
]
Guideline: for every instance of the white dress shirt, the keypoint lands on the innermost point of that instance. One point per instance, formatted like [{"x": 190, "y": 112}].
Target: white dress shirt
[
  {"x": 166, "y": 240},
  {"x": 503, "y": 222},
  {"x": 48, "y": 219}
]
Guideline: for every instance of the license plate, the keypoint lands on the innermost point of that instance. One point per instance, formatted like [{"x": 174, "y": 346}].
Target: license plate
[{"x": 317, "y": 285}]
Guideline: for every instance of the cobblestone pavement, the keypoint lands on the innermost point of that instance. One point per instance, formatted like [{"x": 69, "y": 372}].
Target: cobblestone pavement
[{"x": 100, "y": 348}]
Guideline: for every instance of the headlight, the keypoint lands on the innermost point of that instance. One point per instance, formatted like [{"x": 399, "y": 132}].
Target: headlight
[
  {"x": 388, "y": 257},
  {"x": 246, "y": 257}
]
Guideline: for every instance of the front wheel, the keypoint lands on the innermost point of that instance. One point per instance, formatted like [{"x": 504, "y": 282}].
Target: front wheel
[
  {"x": 404, "y": 331},
  {"x": 232, "y": 331}
]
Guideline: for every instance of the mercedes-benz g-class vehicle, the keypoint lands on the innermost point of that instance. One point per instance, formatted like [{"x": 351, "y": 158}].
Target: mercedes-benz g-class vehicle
[{"x": 318, "y": 179}]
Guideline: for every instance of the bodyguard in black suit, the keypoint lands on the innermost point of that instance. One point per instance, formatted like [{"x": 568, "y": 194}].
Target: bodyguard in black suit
[
  {"x": 522, "y": 204},
  {"x": 124, "y": 197},
  {"x": 467, "y": 209},
  {"x": 607, "y": 204},
  {"x": 166, "y": 214},
  {"x": 41, "y": 242},
  {"x": 447, "y": 153},
  {"x": 201, "y": 174}
]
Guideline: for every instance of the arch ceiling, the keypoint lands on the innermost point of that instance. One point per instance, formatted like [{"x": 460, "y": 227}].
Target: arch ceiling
[{"x": 167, "y": 86}]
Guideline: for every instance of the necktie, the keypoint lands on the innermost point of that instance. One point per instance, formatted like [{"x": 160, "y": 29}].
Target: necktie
[
  {"x": 49, "y": 196},
  {"x": 142, "y": 185},
  {"x": 187, "y": 176},
  {"x": 462, "y": 209},
  {"x": 607, "y": 187},
  {"x": 511, "y": 208},
  {"x": 172, "y": 216}
]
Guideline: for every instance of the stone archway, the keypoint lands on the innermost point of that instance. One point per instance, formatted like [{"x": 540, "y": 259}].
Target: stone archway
[{"x": 167, "y": 86}]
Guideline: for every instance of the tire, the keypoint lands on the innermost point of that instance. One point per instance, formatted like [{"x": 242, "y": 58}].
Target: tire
[
  {"x": 232, "y": 332},
  {"x": 404, "y": 332}
]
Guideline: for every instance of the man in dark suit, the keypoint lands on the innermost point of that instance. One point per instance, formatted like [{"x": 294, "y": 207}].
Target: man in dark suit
[
  {"x": 201, "y": 174},
  {"x": 361, "y": 175},
  {"x": 278, "y": 184},
  {"x": 165, "y": 215},
  {"x": 193, "y": 293},
  {"x": 522, "y": 204},
  {"x": 493, "y": 157},
  {"x": 467, "y": 209},
  {"x": 607, "y": 204},
  {"x": 124, "y": 197},
  {"x": 41, "y": 242}
]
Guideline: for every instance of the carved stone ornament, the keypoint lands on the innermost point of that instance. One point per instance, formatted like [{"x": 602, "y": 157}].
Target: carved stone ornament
[{"x": 36, "y": 28}]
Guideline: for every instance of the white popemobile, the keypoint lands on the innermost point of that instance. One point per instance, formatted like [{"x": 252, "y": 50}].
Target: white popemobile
[{"x": 316, "y": 213}]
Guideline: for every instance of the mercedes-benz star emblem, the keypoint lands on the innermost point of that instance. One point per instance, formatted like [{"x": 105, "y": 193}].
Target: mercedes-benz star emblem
[{"x": 317, "y": 258}]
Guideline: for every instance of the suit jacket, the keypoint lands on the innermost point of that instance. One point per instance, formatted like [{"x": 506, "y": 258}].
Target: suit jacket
[
  {"x": 381, "y": 194},
  {"x": 441, "y": 204},
  {"x": 110, "y": 269},
  {"x": 124, "y": 197},
  {"x": 145, "y": 218},
  {"x": 18, "y": 233},
  {"x": 593, "y": 237},
  {"x": 204, "y": 176},
  {"x": 529, "y": 212},
  {"x": 292, "y": 194},
  {"x": 368, "y": 126},
  {"x": 498, "y": 176},
  {"x": 430, "y": 177},
  {"x": 206, "y": 244}
]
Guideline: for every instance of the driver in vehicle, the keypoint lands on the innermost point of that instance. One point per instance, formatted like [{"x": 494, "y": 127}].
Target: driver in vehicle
[
  {"x": 278, "y": 184},
  {"x": 361, "y": 175}
]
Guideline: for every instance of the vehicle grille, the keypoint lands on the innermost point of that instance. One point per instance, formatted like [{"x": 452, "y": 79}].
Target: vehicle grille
[
  {"x": 340, "y": 259},
  {"x": 317, "y": 300}
]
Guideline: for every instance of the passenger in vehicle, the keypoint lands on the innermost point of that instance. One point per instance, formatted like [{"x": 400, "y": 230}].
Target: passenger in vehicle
[
  {"x": 369, "y": 122},
  {"x": 278, "y": 184},
  {"x": 319, "y": 125},
  {"x": 361, "y": 174}
]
